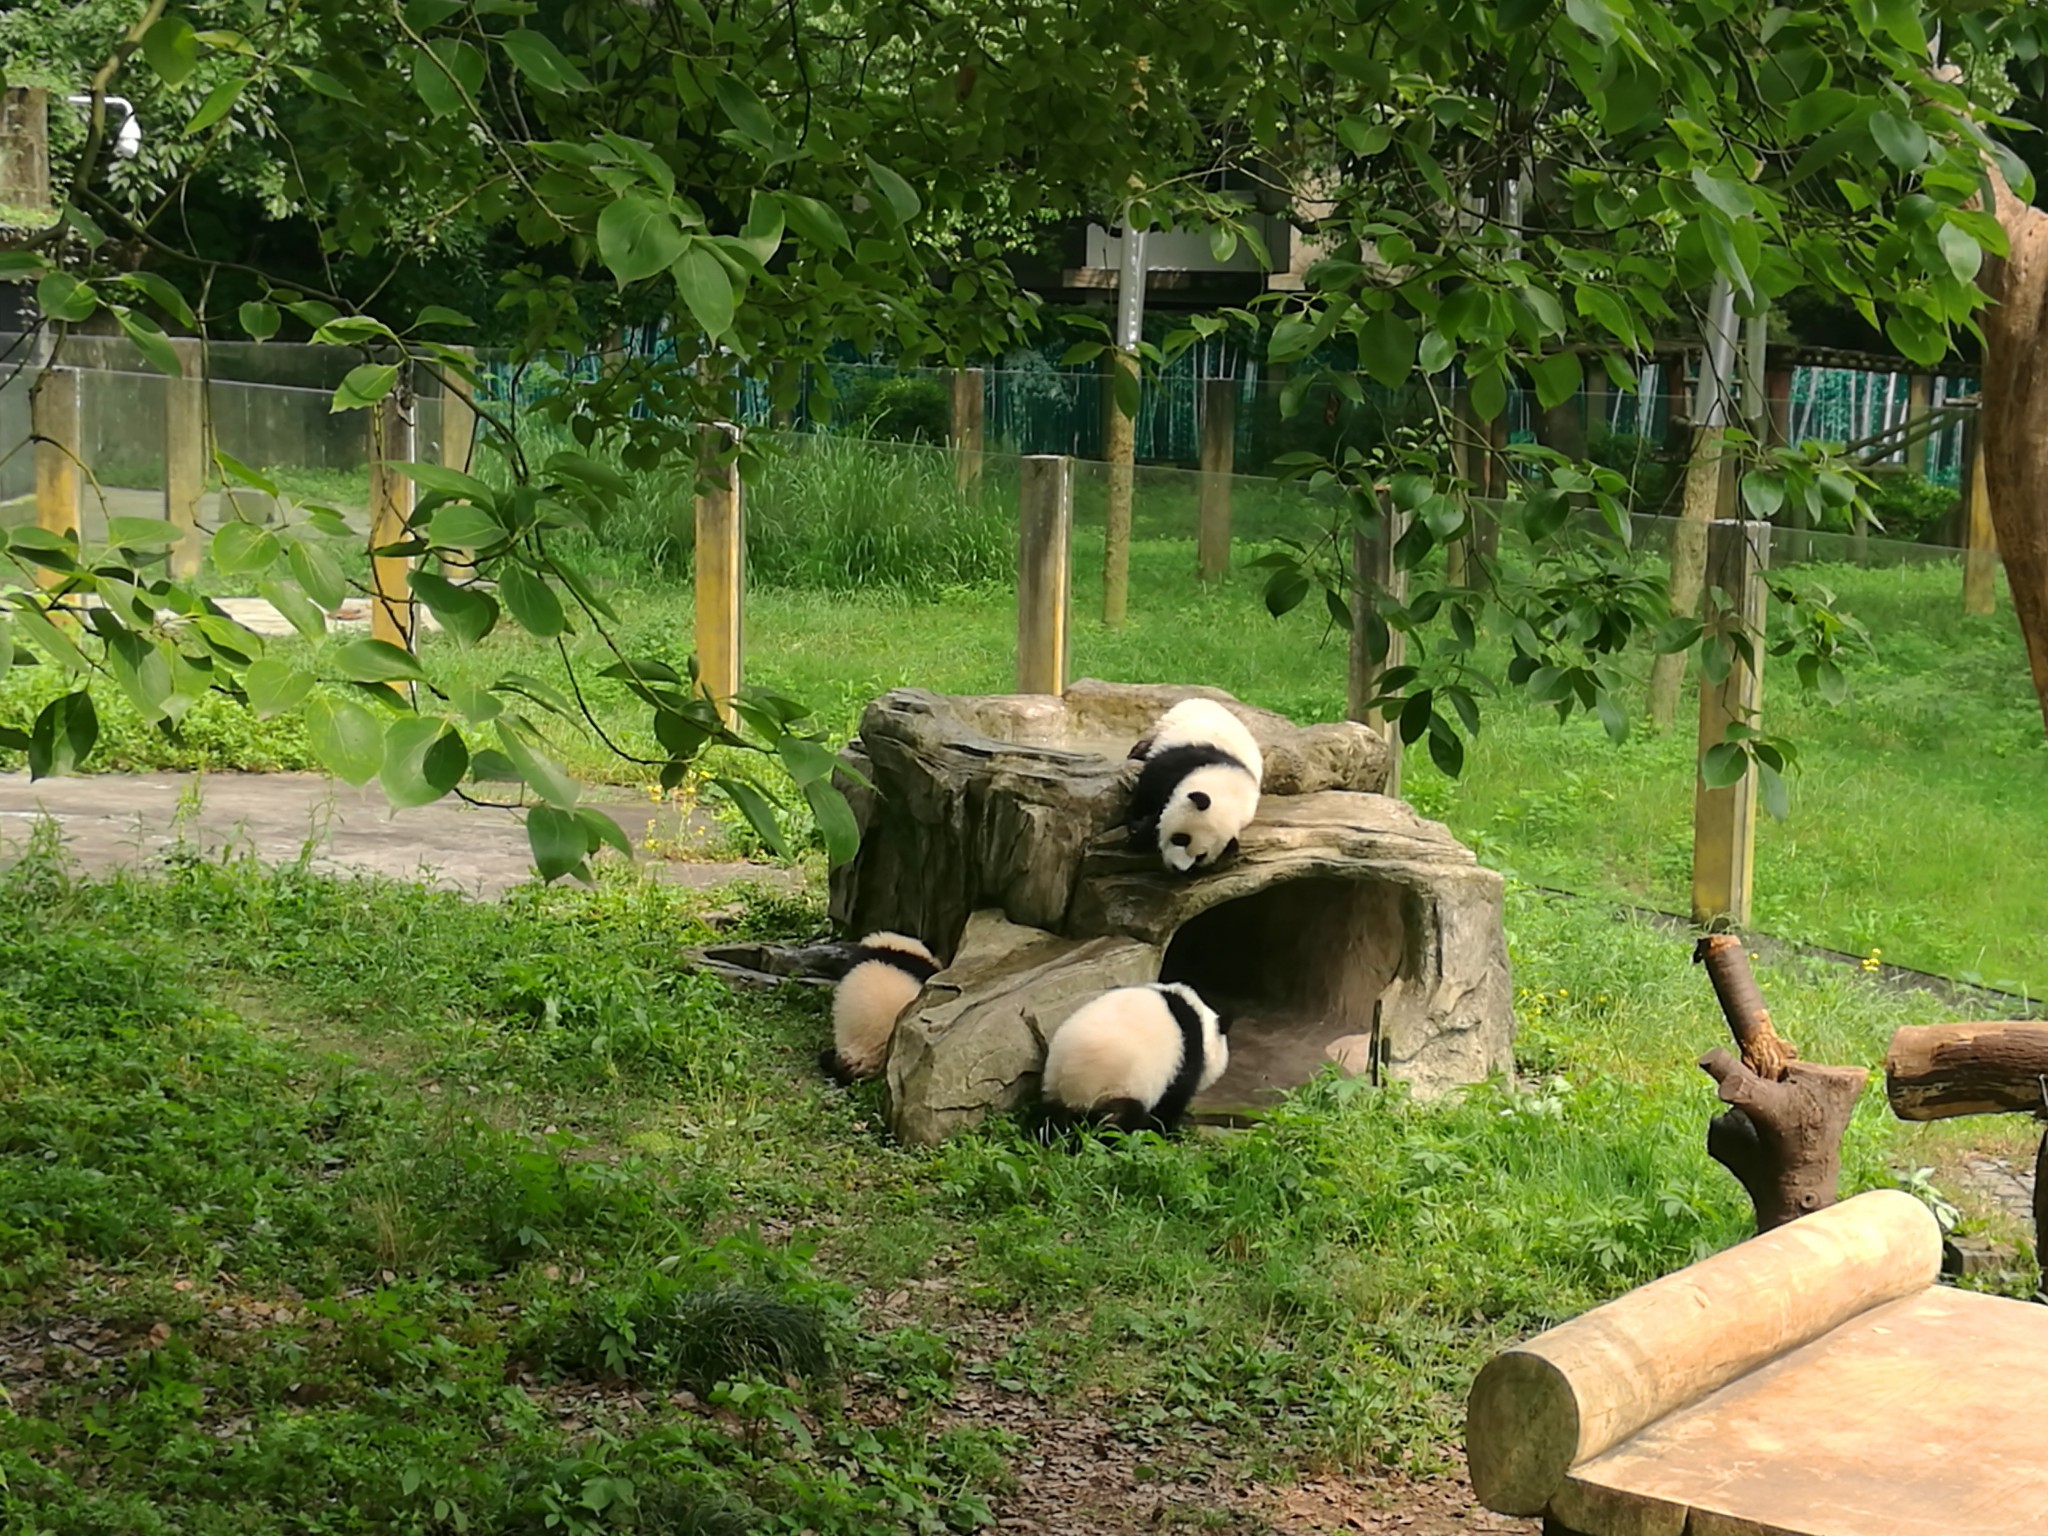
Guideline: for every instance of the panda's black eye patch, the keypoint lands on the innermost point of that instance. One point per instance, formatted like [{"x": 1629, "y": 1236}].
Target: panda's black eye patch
[
  {"x": 1180, "y": 839},
  {"x": 1198, "y": 800}
]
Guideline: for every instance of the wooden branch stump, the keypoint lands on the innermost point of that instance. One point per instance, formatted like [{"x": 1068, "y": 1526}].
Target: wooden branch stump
[
  {"x": 1781, "y": 1135},
  {"x": 1782, "y": 1140}
]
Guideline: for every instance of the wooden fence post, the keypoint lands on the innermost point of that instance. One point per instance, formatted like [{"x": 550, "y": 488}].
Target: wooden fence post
[
  {"x": 392, "y": 441},
  {"x": 720, "y": 572},
  {"x": 1724, "y": 820},
  {"x": 1919, "y": 401},
  {"x": 1219, "y": 450},
  {"x": 1980, "y": 539},
  {"x": 1045, "y": 517},
  {"x": 185, "y": 454},
  {"x": 457, "y": 447},
  {"x": 1120, "y": 433},
  {"x": 967, "y": 431},
  {"x": 1372, "y": 572},
  {"x": 54, "y": 421}
]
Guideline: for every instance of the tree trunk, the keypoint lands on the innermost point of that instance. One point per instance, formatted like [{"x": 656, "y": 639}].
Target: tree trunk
[
  {"x": 1936, "y": 1071},
  {"x": 2015, "y": 390}
]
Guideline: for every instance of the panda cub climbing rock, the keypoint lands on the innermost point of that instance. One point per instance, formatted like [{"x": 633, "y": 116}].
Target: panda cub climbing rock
[
  {"x": 1198, "y": 788},
  {"x": 888, "y": 971},
  {"x": 1133, "y": 1059}
]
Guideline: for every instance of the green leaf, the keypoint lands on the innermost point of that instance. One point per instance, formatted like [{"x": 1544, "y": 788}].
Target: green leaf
[
  {"x": 1901, "y": 21},
  {"x": 603, "y": 831},
  {"x": 140, "y": 668},
  {"x": 316, "y": 571},
  {"x": 541, "y": 772},
  {"x": 559, "y": 842},
  {"x": 1593, "y": 18},
  {"x": 701, "y": 280},
  {"x": 1292, "y": 337},
  {"x": 364, "y": 385},
  {"x": 1557, "y": 376},
  {"x": 1286, "y": 590},
  {"x": 1899, "y": 139},
  {"x": 242, "y": 549},
  {"x": 1959, "y": 248},
  {"x": 1489, "y": 392},
  {"x": 637, "y": 237},
  {"x": 142, "y": 533},
  {"x": 219, "y": 101},
  {"x": 151, "y": 342},
  {"x": 1435, "y": 353},
  {"x": 1771, "y": 786},
  {"x": 476, "y": 704},
  {"x": 63, "y": 735},
  {"x": 835, "y": 821},
  {"x": 1763, "y": 493},
  {"x": 172, "y": 48},
  {"x": 759, "y": 813},
  {"x": 449, "y": 482},
  {"x": 163, "y": 295},
  {"x": 297, "y": 608},
  {"x": 60, "y": 296},
  {"x": 423, "y": 760},
  {"x": 260, "y": 320},
  {"x": 1723, "y": 764},
  {"x": 814, "y": 221},
  {"x": 464, "y": 612},
  {"x": 808, "y": 762},
  {"x": 901, "y": 197},
  {"x": 441, "y": 314},
  {"x": 1387, "y": 349},
  {"x": 537, "y": 58},
  {"x": 377, "y": 661},
  {"x": 531, "y": 601},
  {"x": 50, "y": 640},
  {"x": 464, "y": 527},
  {"x": 346, "y": 738},
  {"x": 743, "y": 109},
  {"x": 1724, "y": 191},
  {"x": 276, "y": 686},
  {"x": 324, "y": 83},
  {"x": 431, "y": 76},
  {"x": 762, "y": 233}
]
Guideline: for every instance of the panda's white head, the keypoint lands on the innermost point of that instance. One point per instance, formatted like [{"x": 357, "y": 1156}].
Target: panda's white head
[{"x": 1204, "y": 815}]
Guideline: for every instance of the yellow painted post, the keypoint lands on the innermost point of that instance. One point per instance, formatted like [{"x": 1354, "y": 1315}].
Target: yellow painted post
[
  {"x": 458, "y": 443},
  {"x": 1724, "y": 820},
  {"x": 720, "y": 572},
  {"x": 54, "y": 421},
  {"x": 1373, "y": 571},
  {"x": 392, "y": 440},
  {"x": 1045, "y": 519},
  {"x": 966, "y": 431},
  {"x": 1219, "y": 450},
  {"x": 185, "y": 454},
  {"x": 1980, "y": 538}
]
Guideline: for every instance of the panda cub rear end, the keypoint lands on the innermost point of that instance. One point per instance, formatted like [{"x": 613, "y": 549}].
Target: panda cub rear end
[
  {"x": 887, "y": 973},
  {"x": 1133, "y": 1058}
]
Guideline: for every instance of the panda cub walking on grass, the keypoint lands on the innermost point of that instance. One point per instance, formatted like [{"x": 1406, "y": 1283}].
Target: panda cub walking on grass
[
  {"x": 887, "y": 973},
  {"x": 1132, "y": 1058},
  {"x": 1198, "y": 788}
]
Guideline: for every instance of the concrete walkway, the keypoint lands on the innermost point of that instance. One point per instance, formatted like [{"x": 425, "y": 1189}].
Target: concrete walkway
[{"x": 121, "y": 820}]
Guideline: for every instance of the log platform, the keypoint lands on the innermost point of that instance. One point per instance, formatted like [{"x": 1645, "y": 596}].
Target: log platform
[{"x": 1813, "y": 1381}]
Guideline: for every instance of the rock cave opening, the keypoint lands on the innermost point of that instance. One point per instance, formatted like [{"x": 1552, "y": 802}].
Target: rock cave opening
[{"x": 1297, "y": 966}]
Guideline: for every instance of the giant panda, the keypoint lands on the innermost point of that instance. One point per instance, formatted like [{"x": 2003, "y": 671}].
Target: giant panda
[
  {"x": 1132, "y": 1058},
  {"x": 1198, "y": 788},
  {"x": 887, "y": 973}
]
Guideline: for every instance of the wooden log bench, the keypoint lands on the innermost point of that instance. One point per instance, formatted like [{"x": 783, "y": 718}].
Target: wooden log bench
[{"x": 1813, "y": 1381}]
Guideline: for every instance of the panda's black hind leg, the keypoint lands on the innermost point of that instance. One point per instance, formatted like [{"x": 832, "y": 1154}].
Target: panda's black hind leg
[
  {"x": 830, "y": 1064},
  {"x": 1128, "y": 1115}
]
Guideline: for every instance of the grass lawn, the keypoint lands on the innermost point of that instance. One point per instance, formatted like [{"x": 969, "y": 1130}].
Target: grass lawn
[{"x": 347, "y": 1207}]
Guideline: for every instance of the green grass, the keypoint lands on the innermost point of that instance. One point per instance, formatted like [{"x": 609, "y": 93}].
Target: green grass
[{"x": 351, "y": 1207}]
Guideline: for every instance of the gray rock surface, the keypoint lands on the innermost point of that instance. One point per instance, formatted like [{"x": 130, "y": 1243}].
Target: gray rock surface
[{"x": 972, "y": 1044}]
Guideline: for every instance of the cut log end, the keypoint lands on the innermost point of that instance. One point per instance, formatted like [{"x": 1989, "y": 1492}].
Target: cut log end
[{"x": 1939, "y": 1071}]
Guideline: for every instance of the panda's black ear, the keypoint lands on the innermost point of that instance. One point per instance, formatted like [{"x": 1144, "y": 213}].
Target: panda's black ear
[
  {"x": 1231, "y": 849},
  {"x": 1198, "y": 800}
]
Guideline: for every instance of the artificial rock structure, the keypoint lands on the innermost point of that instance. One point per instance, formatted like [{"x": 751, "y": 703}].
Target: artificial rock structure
[{"x": 1348, "y": 929}]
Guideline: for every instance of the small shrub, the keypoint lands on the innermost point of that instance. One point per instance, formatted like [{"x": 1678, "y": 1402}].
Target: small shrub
[
  {"x": 664, "y": 1331},
  {"x": 897, "y": 408},
  {"x": 1909, "y": 507}
]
